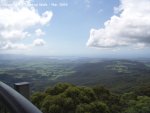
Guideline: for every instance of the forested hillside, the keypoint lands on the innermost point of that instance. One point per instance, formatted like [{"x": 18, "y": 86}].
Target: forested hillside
[
  {"x": 115, "y": 74},
  {"x": 68, "y": 98}
]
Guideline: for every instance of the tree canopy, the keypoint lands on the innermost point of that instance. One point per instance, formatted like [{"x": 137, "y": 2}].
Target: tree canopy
[{"x": 68, "y": 98}]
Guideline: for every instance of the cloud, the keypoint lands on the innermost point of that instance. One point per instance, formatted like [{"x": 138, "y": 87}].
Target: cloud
[
  {"x": 20, "y": 46},
  {"x": 17, "y": 17},
  {"x": 39, "y": 42},
  {"x": 13, "y": 35},
  {"x": 16, "y": 46},
  {"x": 39, "y": 33},
  {"x": 128, "y": 28}
]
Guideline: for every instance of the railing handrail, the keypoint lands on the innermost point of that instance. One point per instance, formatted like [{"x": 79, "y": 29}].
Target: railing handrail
[{"x": 15, "y": 102}]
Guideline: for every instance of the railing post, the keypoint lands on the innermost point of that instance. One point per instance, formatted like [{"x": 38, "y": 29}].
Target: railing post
[
  {"x": 23, "y": 88},
  {"x": 14, "y": 101}
]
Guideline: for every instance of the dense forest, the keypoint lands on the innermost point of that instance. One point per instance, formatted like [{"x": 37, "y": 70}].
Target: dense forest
[{"x": 68, "y": 98}]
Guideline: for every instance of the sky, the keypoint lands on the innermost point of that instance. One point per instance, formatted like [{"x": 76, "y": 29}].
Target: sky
[{"x": 97, "y": 28}]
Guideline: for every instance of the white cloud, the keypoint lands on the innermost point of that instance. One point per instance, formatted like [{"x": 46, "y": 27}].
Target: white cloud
[
  {"x": 16, "y": 46},
  {"x": 16, "y": 18},
  {"x": 39, "y": 32},
  {"x": 8, "y": 45},
  {"x": 38, "y": 42},
  {"x": 130, "y": 28},
  {"x": 13, "y": 35}
]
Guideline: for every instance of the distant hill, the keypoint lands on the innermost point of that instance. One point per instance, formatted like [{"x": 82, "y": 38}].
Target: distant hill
[
  {"x": 115, "y": 74},
  {"x": 118, "y": 75}
]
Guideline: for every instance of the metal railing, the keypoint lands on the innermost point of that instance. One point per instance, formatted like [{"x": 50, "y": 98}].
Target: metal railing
[{"x": 14, "y": 101}]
